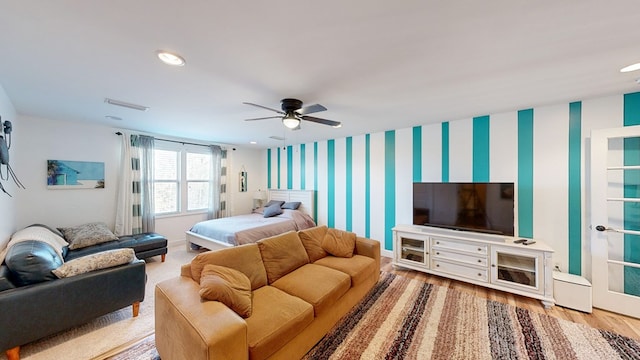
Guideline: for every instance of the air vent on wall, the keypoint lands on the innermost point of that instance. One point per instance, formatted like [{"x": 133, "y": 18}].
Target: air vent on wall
[{"x": 126, "y": 104}]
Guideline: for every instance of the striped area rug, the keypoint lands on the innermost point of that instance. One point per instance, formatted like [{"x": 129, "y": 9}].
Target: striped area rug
[{"x": 403, "y": 318}]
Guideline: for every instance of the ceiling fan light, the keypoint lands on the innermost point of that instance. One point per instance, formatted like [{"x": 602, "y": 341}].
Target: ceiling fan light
[{"x": 290, "y": 121}]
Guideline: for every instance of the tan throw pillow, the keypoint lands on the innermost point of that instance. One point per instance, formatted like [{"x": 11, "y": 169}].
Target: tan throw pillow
[
  {"x": 97, "y": 261},
  {"x": 87, "y": 235},
  {"x": 312, "y": 241},
  {"x": 339, "y": 243},
  {"x": 229, "y": 286},
  {"x": 281, "y": 254}
]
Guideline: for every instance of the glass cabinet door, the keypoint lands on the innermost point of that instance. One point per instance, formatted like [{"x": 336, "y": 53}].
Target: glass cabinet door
[
  {"x": 516, "y": 269},
  {"x": 413, "y": 250}
]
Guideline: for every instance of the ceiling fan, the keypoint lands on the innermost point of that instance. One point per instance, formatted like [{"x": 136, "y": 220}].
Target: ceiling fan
[{"x": 293, "y": 112}]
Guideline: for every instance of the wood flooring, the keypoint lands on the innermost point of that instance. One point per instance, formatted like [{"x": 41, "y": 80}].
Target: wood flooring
[{"x": 600, "y": 319}]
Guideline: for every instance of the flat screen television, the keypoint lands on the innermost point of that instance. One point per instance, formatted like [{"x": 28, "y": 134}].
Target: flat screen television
[{"x": 482, "y": 207}]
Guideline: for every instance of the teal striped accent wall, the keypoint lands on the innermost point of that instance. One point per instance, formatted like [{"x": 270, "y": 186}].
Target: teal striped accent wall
[
  {"x": 268, "y": 168},
  {"x": 445, "y": 152},
  {"x": 417, "y": 154},
  {"x": 279, "y": 167},
  {"x": 349, "y": 183},
  {"x": 525, "y": 173},
  {"x": 315, "y": 180},
  {"x": 303, "y": 167},
  {"x": 631, "y": 115},
  {"x": 367, "y": 185},
  {"x": 481, "y": 149},
  {"x": 575, "y": 188},
  {"x": 331, "y": 183},
  {"x": 289, "y": 167},
  {"x": 389, "y": 187}
]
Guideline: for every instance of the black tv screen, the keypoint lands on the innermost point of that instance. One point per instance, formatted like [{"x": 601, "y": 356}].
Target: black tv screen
[{"x": 482, "y": 207}]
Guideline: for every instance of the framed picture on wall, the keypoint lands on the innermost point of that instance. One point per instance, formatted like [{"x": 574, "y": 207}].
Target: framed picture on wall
[{"x": 68, "y": 174}]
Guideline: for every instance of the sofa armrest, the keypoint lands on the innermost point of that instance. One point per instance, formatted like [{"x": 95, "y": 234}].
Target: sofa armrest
[
  {"x": 369, "y": 248},
  {"x": 190, "y": 328}
]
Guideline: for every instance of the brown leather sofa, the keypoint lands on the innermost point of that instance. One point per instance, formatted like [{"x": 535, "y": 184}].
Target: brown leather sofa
[{"x": 298, "y": 291}]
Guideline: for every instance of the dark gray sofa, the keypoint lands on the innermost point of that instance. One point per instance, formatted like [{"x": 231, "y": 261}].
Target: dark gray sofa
[{"x": 34, "y": 303}]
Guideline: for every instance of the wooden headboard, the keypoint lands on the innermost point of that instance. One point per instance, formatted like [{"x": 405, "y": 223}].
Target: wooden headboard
[{"x": 305, "y": 197}]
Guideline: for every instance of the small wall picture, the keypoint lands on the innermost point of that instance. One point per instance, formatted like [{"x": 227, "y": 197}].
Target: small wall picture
[{"x": 66, "y": 174}]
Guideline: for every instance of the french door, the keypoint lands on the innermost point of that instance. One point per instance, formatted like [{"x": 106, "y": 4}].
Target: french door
[{"x": 615, "y": 219}]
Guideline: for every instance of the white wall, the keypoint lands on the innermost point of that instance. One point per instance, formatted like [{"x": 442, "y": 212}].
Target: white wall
[
  {"x": 8, "y": 204},
  {"x": 46, "y": 139}
]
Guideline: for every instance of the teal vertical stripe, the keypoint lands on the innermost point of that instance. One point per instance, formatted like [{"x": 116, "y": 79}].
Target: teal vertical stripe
[
  {"x": 331, "y": 183},
  {"x": 289, "y": 167},
  {"x": 575, "y": 188},
  {"x": 268, "y": 168},
  {"x": 279, "y": 168},
  {"x": 303, "y": 167},
  {"x": 315, "y": 181},
  {"x": 481, "y": 149},
  {"x": 417, "y": 154},
  {"x": 631, "y": 116},
  {"x": 389, "y": 187},
  {"x": 349, "y": 184},
  {"x": 367, "y": 185},
  {"x": 525, "y": 173},
  {"x": 445, "y": 151}
]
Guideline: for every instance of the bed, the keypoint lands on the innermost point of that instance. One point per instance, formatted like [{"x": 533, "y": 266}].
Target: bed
[{"x": 242, "y": 229}]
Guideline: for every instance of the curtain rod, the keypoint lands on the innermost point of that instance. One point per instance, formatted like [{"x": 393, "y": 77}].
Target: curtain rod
[{"x": 173, "y": 141}]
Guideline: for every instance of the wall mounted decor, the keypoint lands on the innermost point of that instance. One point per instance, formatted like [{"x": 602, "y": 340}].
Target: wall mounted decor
[
  {"x": 5, "y": 145},
  {"x": 66, "y": 174},
  {"x": 243, "y": 180}
]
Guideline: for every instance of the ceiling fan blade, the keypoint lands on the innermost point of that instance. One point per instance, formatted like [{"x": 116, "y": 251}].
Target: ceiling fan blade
[
  {"x": 321, "y": 121},
  {"x": 264, "y": 118},
  {"x": 264, "y": 107},
  {"x": 311, "y": 109}
]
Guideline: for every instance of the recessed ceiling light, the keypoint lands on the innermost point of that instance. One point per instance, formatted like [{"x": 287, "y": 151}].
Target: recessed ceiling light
[
  {"x": 111, "y": 117},
  {"x": 630, "y": 68},
  {"x": 253, "y": 142},
  {"x": 170, "y": 58}
]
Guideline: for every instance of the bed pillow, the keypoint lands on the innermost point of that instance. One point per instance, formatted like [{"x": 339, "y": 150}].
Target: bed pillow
[
  {"x": 229, "y": 286},
  {"x": 339, "y": 243},
  {"x": 294, "y": 205},
  {"x": 281, "y": 254},
  {"x": 87, "y": 235},
  {"x": 272, "y": 210},
  {"x": 97, "y": 261},
  {"x": 272, "y": 202}
]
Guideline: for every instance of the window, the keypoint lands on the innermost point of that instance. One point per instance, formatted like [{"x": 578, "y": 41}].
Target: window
[{"x": 182, "y": 178}]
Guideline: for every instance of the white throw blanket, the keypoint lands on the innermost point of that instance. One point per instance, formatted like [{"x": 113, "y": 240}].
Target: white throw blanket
[{"x": 38, "y": 233}]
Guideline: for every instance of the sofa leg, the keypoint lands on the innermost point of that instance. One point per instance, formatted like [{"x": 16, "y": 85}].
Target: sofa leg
[
  {"x": 13, "y": 353},
  {"x": 136, "y": 308},
  {"x": 163, "y": 256}
]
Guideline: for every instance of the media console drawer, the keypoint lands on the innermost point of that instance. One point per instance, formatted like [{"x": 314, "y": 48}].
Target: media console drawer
[
  {"x": 469, "y": 259},
  {"x": 460, "y": 270},
  {"x": 460, "y": 245}
]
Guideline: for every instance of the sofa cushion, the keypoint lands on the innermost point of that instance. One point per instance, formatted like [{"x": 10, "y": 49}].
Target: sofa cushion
[
  {"x": 277, "y": 318},
  {"x": 281, "y": 254},
  {"x": 227, "y": 285},
  {"x": 31, "y": 262},
  {"x": 87, "y": 234},
  {"x": 358, "y": 267},
  {"x": 244, "y": 258},
  {"x": 39, "y": 233},
  {"x": 318, "y": 285},
  {"x": 339, "y": 243},
  {"x": 97, "y": 261},
  {"x": 312, "y": 241}
]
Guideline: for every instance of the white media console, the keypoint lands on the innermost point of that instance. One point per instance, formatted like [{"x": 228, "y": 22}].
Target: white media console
[{"x": 488, "y": 260}]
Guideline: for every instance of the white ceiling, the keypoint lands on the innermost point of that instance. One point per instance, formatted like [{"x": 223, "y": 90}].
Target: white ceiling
[{"x": 376, "y": 65}]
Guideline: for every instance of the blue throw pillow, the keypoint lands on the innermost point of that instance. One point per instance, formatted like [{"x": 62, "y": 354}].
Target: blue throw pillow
[
  {"x": 272, "y": 210},
  {"x": 273, "y": 202},
  {"x": 294, "y": 205}
]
